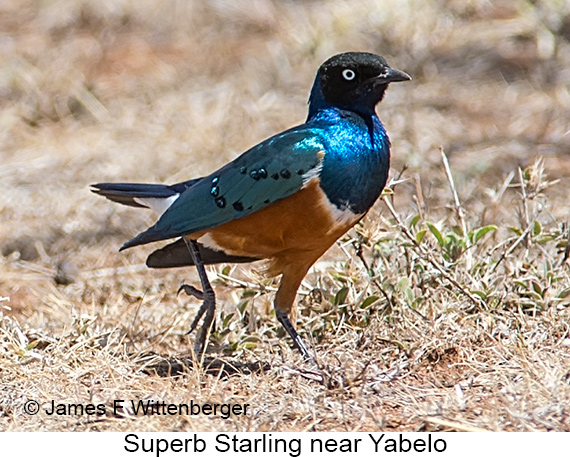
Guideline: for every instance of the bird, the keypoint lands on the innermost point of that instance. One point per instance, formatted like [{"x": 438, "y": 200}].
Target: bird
[{"x": 286, "y": 200}]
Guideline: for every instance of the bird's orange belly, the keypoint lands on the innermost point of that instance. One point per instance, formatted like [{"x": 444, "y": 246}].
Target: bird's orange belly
[{"x": 298, "y": 230}]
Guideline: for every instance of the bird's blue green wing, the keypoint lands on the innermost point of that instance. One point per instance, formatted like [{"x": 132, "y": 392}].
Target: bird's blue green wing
[{"x": 270, "y": 171}]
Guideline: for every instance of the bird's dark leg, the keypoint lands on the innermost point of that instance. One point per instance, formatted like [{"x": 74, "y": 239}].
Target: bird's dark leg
[
  {"x": 291, "y": 279},
  {"x": 283, "y": 318},
  {"x": 209, "y": 304}
]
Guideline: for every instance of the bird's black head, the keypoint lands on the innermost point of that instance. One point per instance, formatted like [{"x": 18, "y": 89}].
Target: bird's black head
[{"x": 354, "y": 81}]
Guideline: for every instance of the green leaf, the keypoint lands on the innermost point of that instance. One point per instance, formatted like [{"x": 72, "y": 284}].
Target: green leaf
[
  {"x": 537, "y": 288},
  {"x": 435, "y": 232},
  {"x": 527, "y": 174},
  {"x": 241, "y": 307},
  {"x": 227, "y": 319},
  {"x": 534, "y": 296},
  {"x": 414, "y": 220},
  {"x": 31, "y": 345},
  {"x": 536, "y": 229},
  {"x": 477, "y": 234},
  {"x": 564, "y": 293},
  {"x": 409, "y": 295},
  {"x": 340, "y": 296},
  {"x": 369, "y": 301},
  {"x": 420, "y": 235},
  {"x": 226, "y": 270},
  {"x": 403, "y": 284},
  {"x": 479, "y": 293},
  {"x": 249, "y": 342},
  {"x": 457, "y": 230},
  {"x": 453, "y": 239}
]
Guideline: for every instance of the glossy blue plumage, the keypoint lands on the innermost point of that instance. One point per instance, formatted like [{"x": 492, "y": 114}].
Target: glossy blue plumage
[{"x": 357, "y": 159}]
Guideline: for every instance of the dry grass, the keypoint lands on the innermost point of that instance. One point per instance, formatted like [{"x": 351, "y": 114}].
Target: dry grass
[{"x": 451, "y": 326}]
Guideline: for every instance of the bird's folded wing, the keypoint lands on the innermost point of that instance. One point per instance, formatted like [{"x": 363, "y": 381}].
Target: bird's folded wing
[{"x": 271, "y": 171}]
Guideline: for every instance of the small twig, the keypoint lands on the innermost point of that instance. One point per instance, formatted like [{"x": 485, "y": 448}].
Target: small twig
[
  {"x": 398, "y": 180},
  {"x": 343, "y": 248},
  {"x": 524, "y": 206},
  {"x": 370, "y": 273},
  {"x": 138, "y": 308},
  {"x": 419, "y": 196},
  {"x": 458, "y": 207},
  {"x": 259, "y": 287}
]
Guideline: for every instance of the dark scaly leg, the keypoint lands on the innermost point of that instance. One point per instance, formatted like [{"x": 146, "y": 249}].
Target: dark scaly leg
[
  {"x": 207, "y": 295},
  {"x": 283, "y": 318},
  {"x": 285, "y": 300}
]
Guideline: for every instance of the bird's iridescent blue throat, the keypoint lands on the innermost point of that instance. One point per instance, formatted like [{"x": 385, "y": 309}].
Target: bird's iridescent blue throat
[{"x": 355, "y": 167}]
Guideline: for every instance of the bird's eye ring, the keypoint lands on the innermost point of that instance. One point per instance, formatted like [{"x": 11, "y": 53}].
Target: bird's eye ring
[{"x": 348, "y": 74}]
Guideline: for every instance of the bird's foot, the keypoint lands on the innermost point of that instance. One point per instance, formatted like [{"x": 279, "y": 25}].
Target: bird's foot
[
  {"x": 208, "y": 308},
  {"x": 194, "y": 292},
  {"x": 191, "y": 290}
]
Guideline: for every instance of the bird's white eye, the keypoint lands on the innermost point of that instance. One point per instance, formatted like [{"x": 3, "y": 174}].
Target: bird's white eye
[{"x": 348, "y": 74}]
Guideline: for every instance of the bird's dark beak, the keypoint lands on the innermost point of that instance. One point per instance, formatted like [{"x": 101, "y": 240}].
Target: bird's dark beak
[{"x": 392, "y": 76}]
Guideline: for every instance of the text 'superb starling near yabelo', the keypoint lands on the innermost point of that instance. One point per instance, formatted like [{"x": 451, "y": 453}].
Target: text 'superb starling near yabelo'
[{"x": 286, "y": 200}]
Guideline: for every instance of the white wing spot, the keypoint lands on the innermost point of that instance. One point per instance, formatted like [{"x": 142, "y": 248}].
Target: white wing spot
[{"x": 314, "y": 172}]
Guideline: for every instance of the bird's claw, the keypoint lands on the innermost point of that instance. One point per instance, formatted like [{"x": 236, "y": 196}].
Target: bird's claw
[{"x": 191, "y": 290}]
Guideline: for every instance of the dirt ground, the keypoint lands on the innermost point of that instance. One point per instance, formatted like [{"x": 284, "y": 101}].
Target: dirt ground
[{"x": 447, "y": 308}]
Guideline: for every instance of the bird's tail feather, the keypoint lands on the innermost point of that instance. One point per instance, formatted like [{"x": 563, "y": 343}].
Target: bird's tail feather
[{"x": 134, "y": 194}]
